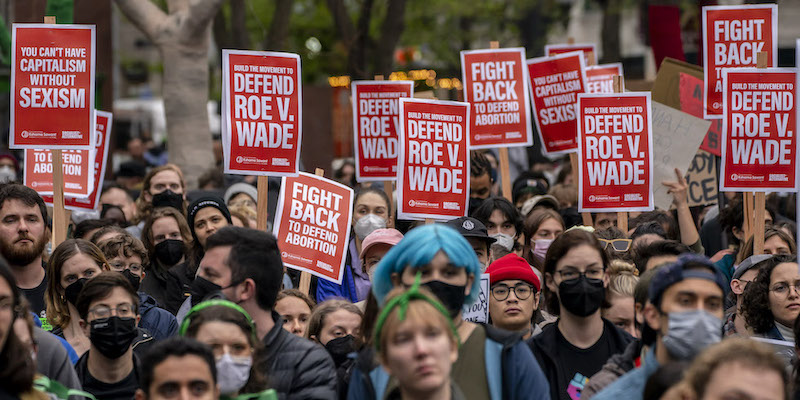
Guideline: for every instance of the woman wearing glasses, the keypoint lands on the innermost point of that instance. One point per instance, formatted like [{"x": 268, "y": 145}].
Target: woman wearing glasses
[
  {"x": 581, "y": 341},
  {"x": 72, "y": 264},
  {"x": 772, "y": 300},
  {"x": 514, "y": 295}
]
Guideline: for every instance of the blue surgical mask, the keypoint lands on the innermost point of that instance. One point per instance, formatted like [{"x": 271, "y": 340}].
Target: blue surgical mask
[{"x": 690, "y": 332}]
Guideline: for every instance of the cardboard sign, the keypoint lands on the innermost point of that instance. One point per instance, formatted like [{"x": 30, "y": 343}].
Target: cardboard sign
[
  {"x": 495, "y": 83},
  {"x": 376, "y": 114},
  {"x": 262, "y": 111},
  {"x": 553, "y": 49},
  {"x": 615, "y": 149},
  {"x": 76, "y": 164},
  {"x": 52, "y": 86},
  {"x": 312, "y": 225},
  {"x": 666, "y": 87},
  {"x": 691, "y": 90},
  {"x": 676, "y": 137},
  {"x": 600, "y": 78},
  {"x": 100, "y": 154},
  {"x": 555, "y": 84},
  {"x": 478, "y": 311},
  {"x": 732, "y": 38},
  {"x": 433, "y": 167},
  {"x": 759, "y": 149},
  {"x": 702, "y": 179}
]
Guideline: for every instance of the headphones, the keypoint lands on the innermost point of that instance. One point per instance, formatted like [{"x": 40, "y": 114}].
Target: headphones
[{"x": 187, "y": 320}]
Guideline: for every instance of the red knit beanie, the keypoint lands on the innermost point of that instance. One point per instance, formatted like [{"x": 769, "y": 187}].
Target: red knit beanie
[{"x": 512, "y": 266}]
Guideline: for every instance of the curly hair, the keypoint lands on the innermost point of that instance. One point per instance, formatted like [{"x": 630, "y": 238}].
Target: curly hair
[{"x": 755, "y": 303}]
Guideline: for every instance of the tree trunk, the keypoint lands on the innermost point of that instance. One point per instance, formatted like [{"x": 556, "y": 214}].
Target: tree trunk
[
  {"x": 183, "y": 38},
  {"x": 393, "y": 27},
  {"x": 610, "y": 31},
  {"x": 279, "y": 28}
]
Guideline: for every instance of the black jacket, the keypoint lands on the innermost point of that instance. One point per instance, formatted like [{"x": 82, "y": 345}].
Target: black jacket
[
  {"x": 164, "y": 287},
  {"x": 296, "y": 368},
  {"x": 545, "y": 348}
]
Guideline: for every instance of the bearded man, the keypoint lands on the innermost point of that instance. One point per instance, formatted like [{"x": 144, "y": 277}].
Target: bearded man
[{"x": 23, "y": 236}]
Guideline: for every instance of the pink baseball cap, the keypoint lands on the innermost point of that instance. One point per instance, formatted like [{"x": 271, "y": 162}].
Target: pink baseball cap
[{"x": 386, "y": 236}]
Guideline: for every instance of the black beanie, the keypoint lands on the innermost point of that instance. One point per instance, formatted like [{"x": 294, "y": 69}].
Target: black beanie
[{"x": 203, "y": 202}]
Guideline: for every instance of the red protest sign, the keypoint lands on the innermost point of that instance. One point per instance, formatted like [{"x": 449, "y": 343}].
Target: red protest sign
[
  {"x": 52, "y": 86},
  {"x": 312, "y": 224},
  {"x": 433, "y": 163},
  {"x": 100, "y": 155},
  {"x": 376, "y": 114},
  {"x": 553, "y": 49},
  {"x": 555, "y": 83},
  {"x": 691, "y": 98},
  {"x": 732, "y": 37},
  {"x": 76, "y": 164},
  {"x": 600, "y": 78},
  {"x": 759, "y": 148},
  {"x": 616, "y": 152},
  {"x": 262, "y": 128},
  {"x": 495, "y": 84}
]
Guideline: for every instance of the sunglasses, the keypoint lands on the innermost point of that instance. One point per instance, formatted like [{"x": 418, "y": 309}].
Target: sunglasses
[{"x": 619, "y": 245}]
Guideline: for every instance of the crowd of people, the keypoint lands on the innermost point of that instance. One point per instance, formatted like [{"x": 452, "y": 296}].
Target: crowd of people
[{"x": 172, "y": 294}]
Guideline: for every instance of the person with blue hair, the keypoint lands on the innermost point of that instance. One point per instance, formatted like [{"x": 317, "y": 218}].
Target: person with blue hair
[{"x": 492, "y": 363}]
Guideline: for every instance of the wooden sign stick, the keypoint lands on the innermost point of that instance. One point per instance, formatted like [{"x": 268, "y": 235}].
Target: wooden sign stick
[
  {"x": 60, "y": 221},
  {"x": 505, "y": 174},
  {"x": 622, "y": 217},
  {"x": 760, "y": 197},
  {"x": 387, "y": 185},
  {"x": 262, "y": 188}
]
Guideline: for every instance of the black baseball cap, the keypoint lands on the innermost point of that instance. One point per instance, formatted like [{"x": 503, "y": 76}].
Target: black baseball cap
[{"x": 470, "y": 227}]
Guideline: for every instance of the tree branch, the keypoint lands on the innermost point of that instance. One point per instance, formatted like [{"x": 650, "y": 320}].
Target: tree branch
[
  {"x": 201, "y": 12},
  {"x": 144, "y": 14},
  {"x": 393, "y": 27},
  {"x": 279, "y": 27},
  {"x": 342, "y": 21}
]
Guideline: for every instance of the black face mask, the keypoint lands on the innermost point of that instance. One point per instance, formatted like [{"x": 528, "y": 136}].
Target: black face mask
[
  {"x": 474, "y": 203},
  {"x": 582, "y": 296},
  {"x": 113, "y": 336},
  {"x": 169, "y": 252},
  {"x": 168, "y": 198},
  {"x": 451, "y": 296},
  {"x": 340, "y": 348},
  {"x": 72, "y": 291},
  {"x": 132, "y": 278},
  {"x": 203, "y": 289}
]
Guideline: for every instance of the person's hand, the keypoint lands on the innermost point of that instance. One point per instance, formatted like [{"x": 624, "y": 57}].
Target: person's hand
[
  {"x": 722, "y": 253},
  {"x": 678, "y": 189}
]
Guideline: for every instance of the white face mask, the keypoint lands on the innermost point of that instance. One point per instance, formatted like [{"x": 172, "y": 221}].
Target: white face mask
[
  {"x": 367, "y": 224},
  {"x": 7, "y": 174},
  {"x": 233, "y": 373}
]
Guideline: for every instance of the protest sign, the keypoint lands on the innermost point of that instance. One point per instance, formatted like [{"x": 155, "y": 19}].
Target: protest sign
[
  {"x": 691, "y": 91},
  {"x": 495, "y": 84},
  {"x": 555, "y": 83},
  {"x": 99, "y": 155},
  {"x": 732, "y": 37},
  {"x": 585, "y": 48},
  {"x": 76, "y": 164},
  {"x": 676, "y": 137},
  {"x": 759, "y": 148},
  {"x": 52, "y": 86},
  {"x": 478, "y": 311},
  {"x": 600, "y": 78},
  {"x": 262, "y": 112},
  {"x": 702, "y": 179},
  {"x": 615, "y": 146},
  {"x": 312, "y": 225},
  {"x": 376, "y": 114},
  {"x": 433, "y": 163},
  {"x": 666, "y": 87}
]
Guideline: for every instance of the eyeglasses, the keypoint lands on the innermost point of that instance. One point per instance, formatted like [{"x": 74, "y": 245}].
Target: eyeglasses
[
  {"x": 123, "y": 311},
  {"x": 782, "y": 288},
  {"x": 619, "y": 245},
  {"x": 570, "y": 274},
  {"x": 120, "y": 267},
  {"x": 521, "y": 291}
]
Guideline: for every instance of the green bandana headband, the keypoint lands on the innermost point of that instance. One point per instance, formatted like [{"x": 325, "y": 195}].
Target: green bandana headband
[{"x": 402, "y": 301}]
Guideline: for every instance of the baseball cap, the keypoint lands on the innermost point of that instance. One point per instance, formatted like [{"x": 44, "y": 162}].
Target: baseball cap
[
  {"x": 544, "y": 200},
  {"x": 685, "y": 267},
  {"x": 512, "y": 266},
  {"x": 380, "y": 236},
  {"x": 527, "y": 184},
  {"x": 749, "y": 263},
  {"x": 470, "y": 227}
]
